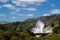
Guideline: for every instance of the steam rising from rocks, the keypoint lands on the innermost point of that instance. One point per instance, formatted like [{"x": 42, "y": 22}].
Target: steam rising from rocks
[{"x": 39, "y": 27}]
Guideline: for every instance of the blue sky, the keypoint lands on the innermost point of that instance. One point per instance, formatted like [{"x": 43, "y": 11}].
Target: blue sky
[{"x": 20, "y": 10}]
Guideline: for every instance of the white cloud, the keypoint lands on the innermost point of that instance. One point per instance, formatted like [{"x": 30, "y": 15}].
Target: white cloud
[
  {"x": 0, "y": 7},
  {"x": 25, "y": 2},
  {"x": 13, "y": 13},
  {"x": 30, "y": 9},
  {"x": 22, "y": 15},
  {"x": 46, "y": 15},
  {"x": 1, "y": 15},
  {"x": 55, "y": 11},
  {"x": 52, "y": 4},
  {"x": 11, "y": 7},
  {"x": 17, "y": 9},
  {"x": 4, "y": 1},
  {"x": 38, "y": 4},
  {"x": 13, "y": 17},
  {"x": 23, "y": 5},
  {"x": 29, "y": 15}
]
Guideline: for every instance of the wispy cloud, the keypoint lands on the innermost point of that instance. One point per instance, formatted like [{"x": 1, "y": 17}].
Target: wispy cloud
[
  {"x": 46, "y": 15},
  {"x": 0, "y": 7},
  {"x": 53, "y": 4},
  {"x": 4, "y": 1},
  {"x": 1, "y": 15},
  {"x": 26, "y": 2},
  {"x": 22, "y": 3},
  {"x": 30, "y": 9},
  {"x": 26, "y": 15},
  {"x": 29, "y": 15},
  {"x": 13, "y": 13},
  {"x": 22, "y": 15},
  {"x": 13, "y": 17},
  {"x": 55, "y": 11},
  {"x": 10, "y": 6}
]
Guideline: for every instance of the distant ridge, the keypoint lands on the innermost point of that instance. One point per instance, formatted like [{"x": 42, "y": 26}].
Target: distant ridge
[
  {"x": 4, "y": 22},
  {"x": 51, "y": 18}
]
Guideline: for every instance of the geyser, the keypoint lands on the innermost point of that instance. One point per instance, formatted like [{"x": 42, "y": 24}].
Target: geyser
[{"x": 39, "y": 27}]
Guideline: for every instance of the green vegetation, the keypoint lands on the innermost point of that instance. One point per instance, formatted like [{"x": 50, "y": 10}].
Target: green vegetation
[{"x": 21, "y": 30}]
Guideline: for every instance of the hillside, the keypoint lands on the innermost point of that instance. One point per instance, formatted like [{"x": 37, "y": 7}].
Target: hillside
[
  {"x": 20, "y": 30},
  {"x": 45, "y": 18}
]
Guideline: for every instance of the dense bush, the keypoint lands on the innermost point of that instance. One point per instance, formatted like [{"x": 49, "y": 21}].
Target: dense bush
[{"x": 21, "y": 31}]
